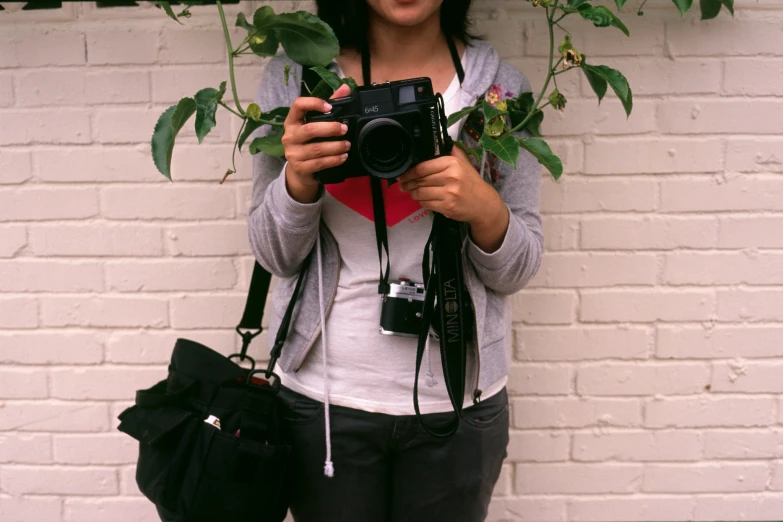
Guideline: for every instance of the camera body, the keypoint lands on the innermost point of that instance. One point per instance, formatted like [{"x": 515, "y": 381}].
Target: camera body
[
  {"x": 402, "y": 309},
  {"x": 391, "y": 126}
]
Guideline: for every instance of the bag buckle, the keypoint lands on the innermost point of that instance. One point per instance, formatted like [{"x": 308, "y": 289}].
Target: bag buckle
[
  {"x": 272, "y": 383},
  {"x": 247, "y": 336}
]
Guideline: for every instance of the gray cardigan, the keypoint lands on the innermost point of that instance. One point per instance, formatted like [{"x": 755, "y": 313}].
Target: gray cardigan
[{"x": 282, "y": 231}]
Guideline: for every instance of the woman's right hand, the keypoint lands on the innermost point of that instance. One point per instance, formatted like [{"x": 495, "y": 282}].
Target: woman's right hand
[{"x": 306, "y": 158}]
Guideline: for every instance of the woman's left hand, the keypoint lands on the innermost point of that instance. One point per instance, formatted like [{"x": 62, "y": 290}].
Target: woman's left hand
[{"x": 451, "y": 186}]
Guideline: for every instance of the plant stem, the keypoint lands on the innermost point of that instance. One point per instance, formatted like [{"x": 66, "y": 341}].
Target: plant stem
[
  {"x": 535, "y": 108},
  {"x": 236, "y": 143},
  {"x": 229, "y": 109},
  {"x": 230, "y": 57}
]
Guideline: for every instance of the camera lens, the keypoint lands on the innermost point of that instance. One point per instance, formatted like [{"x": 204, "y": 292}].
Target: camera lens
[{"x": 385, "y": 148}]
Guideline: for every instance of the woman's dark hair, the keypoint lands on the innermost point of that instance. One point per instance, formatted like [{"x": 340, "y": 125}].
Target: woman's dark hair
[{"x": 349, "y": 19}]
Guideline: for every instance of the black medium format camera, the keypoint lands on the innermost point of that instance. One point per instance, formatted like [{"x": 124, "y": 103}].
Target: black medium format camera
[{"x": 391, "y": 126}]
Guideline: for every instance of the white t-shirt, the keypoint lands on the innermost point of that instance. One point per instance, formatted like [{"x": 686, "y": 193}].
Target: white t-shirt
[{"x": 368, "y": 370}]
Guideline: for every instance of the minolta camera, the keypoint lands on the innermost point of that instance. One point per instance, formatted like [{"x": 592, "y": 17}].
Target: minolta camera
[
  {"x": 402, "y": 308},
  {"x": 391, "y": 127}
]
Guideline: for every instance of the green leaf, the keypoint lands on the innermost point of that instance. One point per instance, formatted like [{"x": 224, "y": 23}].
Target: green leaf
[
  {"x": 329, "y": 83},
  {"x": 307, "y": 40},
  {"x": 206, "y": 107},
  {"x": 475, "y": 152},
  {"x": 711, "y": 8},
  {"x": 270, "y": 144},
  {"x": 262, "y": 43},
  {"x": 523, "y": 105},
  {"x": 270, "y": 43},
  {"x": 533, "y": 125},
  {"x": 278, "y": 114},
  {"x": 525, "y": 101},
  {"x": 268, "y": 47},
  {"x": 615, "y": 79},
  {"x": 505, "y": 148},
  {"x": 166, "y": 129},
  {"x": 683, "y": 5},
  {"x": 166, "y": 6},
  {"x": 455, "y": 117},
  {"x": 489, "y": 110},
  {"x": 350, "y": 82},
  {"x": 620, "y": 4},
  {"x": 243, "y": 23},
  {"x": 597, "y": 82},
  {"x": 262, "y": 14},
  {"x": 602, "y": 17},
  {"x": 250, "y": 126},
  {"x": 539, "y": 148}
]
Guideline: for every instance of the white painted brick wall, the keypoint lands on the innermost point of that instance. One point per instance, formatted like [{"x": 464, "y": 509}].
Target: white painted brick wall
[{"x": 647, "y": 368}]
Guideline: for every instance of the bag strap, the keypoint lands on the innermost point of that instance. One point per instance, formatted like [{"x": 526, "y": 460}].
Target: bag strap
[{"x": 259, "y": 283}]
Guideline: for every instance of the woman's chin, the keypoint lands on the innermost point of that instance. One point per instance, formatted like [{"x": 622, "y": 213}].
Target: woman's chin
[{"x": 407, "y": 13}]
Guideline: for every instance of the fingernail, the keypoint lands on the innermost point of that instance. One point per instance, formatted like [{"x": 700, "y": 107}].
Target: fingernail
[
  {"x": 327, "y": 106},
  {"x": 347, "y": 145},
  {"x": 344, "y": 157},
  {"x": 343, "y": 128}
]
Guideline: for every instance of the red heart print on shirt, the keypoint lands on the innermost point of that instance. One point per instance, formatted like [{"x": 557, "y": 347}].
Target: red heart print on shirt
[{"x": 356, "y": 194}]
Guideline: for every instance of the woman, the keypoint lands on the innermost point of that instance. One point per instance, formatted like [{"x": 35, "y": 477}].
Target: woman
[{"x": 358, "y": 453}]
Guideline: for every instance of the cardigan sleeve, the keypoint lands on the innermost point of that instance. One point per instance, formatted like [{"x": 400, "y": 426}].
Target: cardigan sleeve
[
  {"x": 281, "y": 230},
  {"x": 508, "y": 269}
]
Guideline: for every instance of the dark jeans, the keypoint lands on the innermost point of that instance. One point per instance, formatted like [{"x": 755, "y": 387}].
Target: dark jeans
[{"x": 387, "y": 468}]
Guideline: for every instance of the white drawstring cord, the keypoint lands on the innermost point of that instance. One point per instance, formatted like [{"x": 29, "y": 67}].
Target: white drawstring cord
[{"x": 328, "y": 465}]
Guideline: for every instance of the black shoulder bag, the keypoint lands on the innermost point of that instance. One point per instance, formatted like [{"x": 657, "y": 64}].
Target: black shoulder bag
[{"x": 210, "y": 441}]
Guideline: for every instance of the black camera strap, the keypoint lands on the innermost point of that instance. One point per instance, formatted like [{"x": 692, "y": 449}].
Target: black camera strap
[
  {"x": 379, "y": 216},
  {"x": 445, "y": 279},
  {"x": 378, "y": 208}
]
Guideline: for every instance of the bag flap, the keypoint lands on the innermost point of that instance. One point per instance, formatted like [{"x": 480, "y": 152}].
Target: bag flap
[
  {"x": 194, "y": 361},
  {"x": 151, "y": 425}
]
